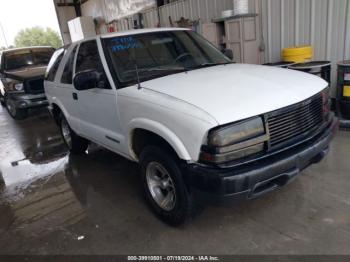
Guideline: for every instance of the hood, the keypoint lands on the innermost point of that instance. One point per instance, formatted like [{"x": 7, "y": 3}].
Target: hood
[
  {"x": 26, "y": 73},
  {"x": 238, "y": 91}
]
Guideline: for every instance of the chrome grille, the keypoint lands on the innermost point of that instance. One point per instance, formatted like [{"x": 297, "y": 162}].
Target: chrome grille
[{"x": 295, "y": 121}]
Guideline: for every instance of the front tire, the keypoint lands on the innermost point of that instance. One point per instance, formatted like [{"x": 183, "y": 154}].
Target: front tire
[
  {"x": 15, "y": 113},
  {"x": 164, "y": 186},
  {"x": 76, "y": 144}
]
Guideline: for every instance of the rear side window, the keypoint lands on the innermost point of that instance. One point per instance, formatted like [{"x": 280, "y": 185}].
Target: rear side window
[
  {"x": 67, "y": 76},
  {"x": 54, "y": 64},
  {"x": 89, "y": 59}
]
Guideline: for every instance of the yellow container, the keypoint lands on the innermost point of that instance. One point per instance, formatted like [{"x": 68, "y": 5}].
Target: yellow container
[
  {"x": 346, "y": 91},
  {"x": 300, "y": 54}
]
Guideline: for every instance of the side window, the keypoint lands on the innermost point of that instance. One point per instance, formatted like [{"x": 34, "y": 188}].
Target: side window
[
  {"x": 89, "y": 59},
  {"x": 53, "y": 65},
  {"x": 67, "y": 76}
]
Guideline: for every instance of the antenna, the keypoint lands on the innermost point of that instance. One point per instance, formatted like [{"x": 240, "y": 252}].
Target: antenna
[
  {"x": 3, "y": 35},
  {"x": 138, "y": 77}
]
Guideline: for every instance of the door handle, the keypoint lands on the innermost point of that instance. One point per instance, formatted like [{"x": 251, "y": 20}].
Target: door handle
[{"x": 75, "y": 96}]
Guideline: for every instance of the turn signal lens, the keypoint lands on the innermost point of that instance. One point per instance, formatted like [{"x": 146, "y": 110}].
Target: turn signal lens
[
  {"x": 326, "y": 102},
  {"x": 326, "y": 95}
]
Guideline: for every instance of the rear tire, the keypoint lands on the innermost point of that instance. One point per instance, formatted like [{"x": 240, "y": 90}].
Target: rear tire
[
  {"x": 15, "y": 113},
  {"x": 76, "y": 144},
  {"x": 164, "y": 186}
]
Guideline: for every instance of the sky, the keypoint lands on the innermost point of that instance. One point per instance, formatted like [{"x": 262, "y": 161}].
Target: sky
[{"x": 20, "y": 14}]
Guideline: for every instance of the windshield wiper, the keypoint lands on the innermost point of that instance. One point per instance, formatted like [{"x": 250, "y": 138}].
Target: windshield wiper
[
  {"x": 204, "y": 65},
  {"x": 158, "y": 69}
]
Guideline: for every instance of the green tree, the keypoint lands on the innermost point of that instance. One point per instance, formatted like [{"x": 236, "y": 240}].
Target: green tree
[
  {"x": 38, "y": 36},
  {"x": 5, "y": 48}
]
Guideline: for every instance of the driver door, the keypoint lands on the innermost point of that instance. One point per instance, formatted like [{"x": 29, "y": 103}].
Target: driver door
[{"x": 98, "y": 111}]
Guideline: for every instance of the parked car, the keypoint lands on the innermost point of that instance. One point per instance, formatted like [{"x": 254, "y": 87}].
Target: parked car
[
  {"x": 202, "y": 128},
  {"x": 22, "y": 73}
]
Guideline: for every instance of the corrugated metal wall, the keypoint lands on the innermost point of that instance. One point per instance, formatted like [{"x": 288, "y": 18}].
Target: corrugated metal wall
[
  {"x": 325, "y": 24},
  {"x": 202, "y": 10}
]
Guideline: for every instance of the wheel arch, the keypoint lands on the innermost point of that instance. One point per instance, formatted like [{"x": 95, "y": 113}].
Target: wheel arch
[
  {"x": 149, "y": 129},
  {"x": 57, "y": 108},
  {"x": 56, "y": 111}
]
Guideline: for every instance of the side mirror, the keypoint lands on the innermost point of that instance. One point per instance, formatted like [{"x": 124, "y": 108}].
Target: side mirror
[
  {"x": 86, "y": 80},
  {"x": 228, "y": 53}
]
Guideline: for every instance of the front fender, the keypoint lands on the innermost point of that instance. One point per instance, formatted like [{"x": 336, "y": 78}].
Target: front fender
[{"x": 162, "y": 131}]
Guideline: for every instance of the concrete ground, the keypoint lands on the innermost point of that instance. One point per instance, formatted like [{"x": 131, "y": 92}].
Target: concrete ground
[{"x": 55, "y": 203}]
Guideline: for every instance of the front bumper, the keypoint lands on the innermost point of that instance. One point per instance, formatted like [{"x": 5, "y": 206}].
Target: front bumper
[
  {"x": 221, "y": 185},
  {"x": 25, "y": 101}
]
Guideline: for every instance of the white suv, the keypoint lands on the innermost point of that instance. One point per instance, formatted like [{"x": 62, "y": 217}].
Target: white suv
[{"x": 202, "y": 128}]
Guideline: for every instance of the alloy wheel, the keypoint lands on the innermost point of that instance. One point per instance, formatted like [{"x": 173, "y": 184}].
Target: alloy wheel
[
  {"x": 161, "y": 186},
  {"x": 66, "y": 133}
]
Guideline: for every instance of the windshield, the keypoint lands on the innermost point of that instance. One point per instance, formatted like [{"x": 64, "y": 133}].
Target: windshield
[
  {"x": 24, "y": 58},
  {"x": 158, "y": 54}
]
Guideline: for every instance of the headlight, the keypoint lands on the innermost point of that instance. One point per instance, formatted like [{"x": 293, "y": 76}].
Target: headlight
[
  {"x": 13, "y": 85},
  {"x": 235, "y": 141},
  {"x": 236, "y": 133},
  {"x": 19, "y": 87}
]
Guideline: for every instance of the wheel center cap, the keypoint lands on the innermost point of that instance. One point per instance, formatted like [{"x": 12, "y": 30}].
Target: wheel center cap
[{"x": 164, "y": 184}]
